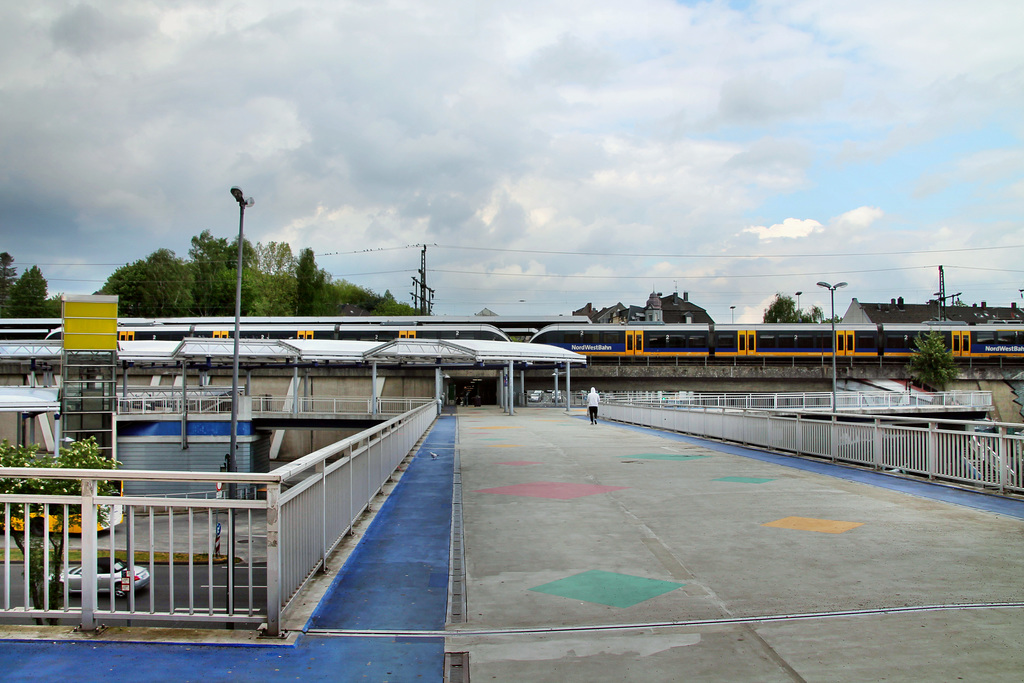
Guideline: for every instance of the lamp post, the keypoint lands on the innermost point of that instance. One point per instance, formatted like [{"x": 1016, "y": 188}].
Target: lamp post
[
  {"x": 799, "y": 316},
  {"x": 243, "y": 203},
  {"x": 732, "y": 314},
  {"x": 832, "y": 292}
]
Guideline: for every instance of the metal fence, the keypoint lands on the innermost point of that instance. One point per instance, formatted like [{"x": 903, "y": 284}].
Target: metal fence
[
  {"x": 818, "y": 400},
  {"x": 983, "y": 454},
  {"x": 206, "y": 561},
  {"x": 220, "y": 403}
]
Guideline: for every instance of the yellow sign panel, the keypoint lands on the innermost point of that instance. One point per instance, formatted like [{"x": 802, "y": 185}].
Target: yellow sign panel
[{"x": 90, "y": 323}]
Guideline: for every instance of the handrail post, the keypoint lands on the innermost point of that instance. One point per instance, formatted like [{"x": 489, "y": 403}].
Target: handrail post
[
  {"x": 1001, "y": 458},
  {"x": 89, "y": 543},
  {"x": 273, "y": 560}
]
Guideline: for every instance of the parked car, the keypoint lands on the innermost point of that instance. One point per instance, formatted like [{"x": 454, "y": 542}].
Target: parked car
[
  {"x": 535, "y": 396},
  {"x": 74, "y": 577}
]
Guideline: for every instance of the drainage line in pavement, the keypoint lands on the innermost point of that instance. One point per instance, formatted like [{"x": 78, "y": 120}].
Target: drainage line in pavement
[{"x": 381, "y": 633}]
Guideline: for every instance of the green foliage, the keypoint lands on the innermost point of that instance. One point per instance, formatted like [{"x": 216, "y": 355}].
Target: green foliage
[
  {"x": 28, "y": 296},
  {"x": 932, "y": 364},
  {"x": 783, "y": 309},
  {"x": 160, "y": 286},
  {"x": 8, "y": 274},
  {"x": 274, "y": 283},
  {"x": 388, "y": 306},
  {"x": 312, "y": 291},
  {"x": 83, "y": 454},
  {"x": 214, "y": 275}
]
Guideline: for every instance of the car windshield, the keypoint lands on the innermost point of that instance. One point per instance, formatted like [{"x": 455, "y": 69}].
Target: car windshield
[{"x": 103, "y": 565}]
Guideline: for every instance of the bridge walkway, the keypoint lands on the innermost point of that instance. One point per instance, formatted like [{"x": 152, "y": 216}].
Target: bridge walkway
[{"x": 605, "y": 552}]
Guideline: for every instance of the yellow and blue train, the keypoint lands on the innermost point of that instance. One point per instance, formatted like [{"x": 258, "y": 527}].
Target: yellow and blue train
[{"x": 778, "y": 340}]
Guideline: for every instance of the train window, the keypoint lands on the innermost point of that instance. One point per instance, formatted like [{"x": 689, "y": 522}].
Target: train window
[
  {"x": 696, "y": 342},
  {"x": 984, "y": 337},
  {"x": 590, "y": 337},
  {"x": 766, "y": 341},
  {"x": 805, "y": 341},
  {"x": 864, "y": 341},
  {"x": 897, "y": 341},
  {"x": 725, "y": 341}
]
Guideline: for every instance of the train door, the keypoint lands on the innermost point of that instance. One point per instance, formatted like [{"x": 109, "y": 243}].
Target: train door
[
  {"x": 844, "y": 343},
  {"x": 960, "y": 343},
  {"x": 407, "y": 334},
  {"x": 634, "y": 342},
  {"x": 747, "y": 342}
]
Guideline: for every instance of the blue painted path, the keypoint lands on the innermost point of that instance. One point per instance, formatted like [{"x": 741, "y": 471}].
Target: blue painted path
[{"x": 392, "y": 580}]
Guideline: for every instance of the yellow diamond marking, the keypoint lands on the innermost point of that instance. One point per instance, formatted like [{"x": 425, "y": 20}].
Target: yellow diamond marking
[{"x": 825, "y": 526}]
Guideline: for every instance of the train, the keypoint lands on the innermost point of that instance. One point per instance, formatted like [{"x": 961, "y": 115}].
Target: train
[
  {"x": 779, "y": 340},
  {"x": 173, "y": 329}
]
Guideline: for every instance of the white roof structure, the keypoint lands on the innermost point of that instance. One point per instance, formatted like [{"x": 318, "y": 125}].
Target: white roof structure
[
  {"x": 396, "y": 352},
  {"x": 29, "y": 399}
]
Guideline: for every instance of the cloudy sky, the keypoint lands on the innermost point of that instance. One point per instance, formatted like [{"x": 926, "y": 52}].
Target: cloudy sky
[{"x": 549, "y": 153}]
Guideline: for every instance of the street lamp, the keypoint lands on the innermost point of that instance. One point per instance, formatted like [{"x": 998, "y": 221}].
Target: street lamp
[
  {"x": 832, "y": 292},
  {"x": 799, "y": 316},
  {"x": 732, "y": 314},
  {"x": 243, "y": 203}
]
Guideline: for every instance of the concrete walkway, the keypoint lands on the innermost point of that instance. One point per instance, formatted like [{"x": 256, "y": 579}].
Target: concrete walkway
[{"x": 612, "y": 553}]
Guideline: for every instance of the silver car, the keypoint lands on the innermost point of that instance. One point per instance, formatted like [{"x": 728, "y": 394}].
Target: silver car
[{"x": 74, "y": 577}]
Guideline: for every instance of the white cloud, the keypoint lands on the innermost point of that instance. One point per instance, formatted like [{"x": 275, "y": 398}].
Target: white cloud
[
  {"x": 791, "y": 228},
  {"x": 860, "y": 218}
]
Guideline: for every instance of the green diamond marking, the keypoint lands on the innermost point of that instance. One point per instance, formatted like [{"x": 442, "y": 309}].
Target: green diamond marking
[
  {"x": 745, "y": 480},
  {"x": 607, "y": 588},
  {"x": 664, "y": 456}
]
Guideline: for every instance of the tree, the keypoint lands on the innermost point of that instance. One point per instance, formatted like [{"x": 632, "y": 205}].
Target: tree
[
  {"x": 28, "y": 296},
  {"x": 782, "y": 309},
  {"x": 311, "y": 287},
  {"x": 158, "y": 287},
  {"x": 7, "y": 277},
  {"x": 83, "y": 454},
  {"x": 388, "y": 306},
  {"x": 214, "y": 264},
  {"x": 932, "y": 364},
  {"x": 274, "y": 283}
]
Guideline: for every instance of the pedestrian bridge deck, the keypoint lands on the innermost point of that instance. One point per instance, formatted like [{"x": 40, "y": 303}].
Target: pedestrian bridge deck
[{"x": 608, "y": 552}]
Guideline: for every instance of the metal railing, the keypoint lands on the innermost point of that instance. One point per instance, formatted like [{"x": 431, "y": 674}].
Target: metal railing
[
  {"x": 984, "y": 454},
  {"x": 818, "y": 401},
  {"x": 276, "y": 541},
  {"x": 207, "y": 403}
]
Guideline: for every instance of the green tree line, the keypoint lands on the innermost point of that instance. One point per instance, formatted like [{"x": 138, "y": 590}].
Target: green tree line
[{"x": 163, "y": 285}]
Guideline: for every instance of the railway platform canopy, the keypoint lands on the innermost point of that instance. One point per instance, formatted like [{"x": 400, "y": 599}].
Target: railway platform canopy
[{"x": 398, "y": 352}]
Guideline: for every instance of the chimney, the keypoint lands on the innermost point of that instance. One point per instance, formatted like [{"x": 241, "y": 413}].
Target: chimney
[
  {"x": 892, "y": 302},
  {"x": 686, "y": 296},
  {"x": 983, "y": 304},
  {"x": 899, "y": 303},
  {"x": 1013, "y": 304}
]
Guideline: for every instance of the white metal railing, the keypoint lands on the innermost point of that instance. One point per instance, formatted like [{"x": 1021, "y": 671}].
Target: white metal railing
[
  {"x": 278, "y": 539},
  {"x": 818, "y": 400},
  {"x": 220, "y": 403},
  {"x": 986, "y": 454}
]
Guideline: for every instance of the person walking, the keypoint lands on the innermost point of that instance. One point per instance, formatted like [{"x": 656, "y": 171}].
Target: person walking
[{"x": 592, "y": 402}]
